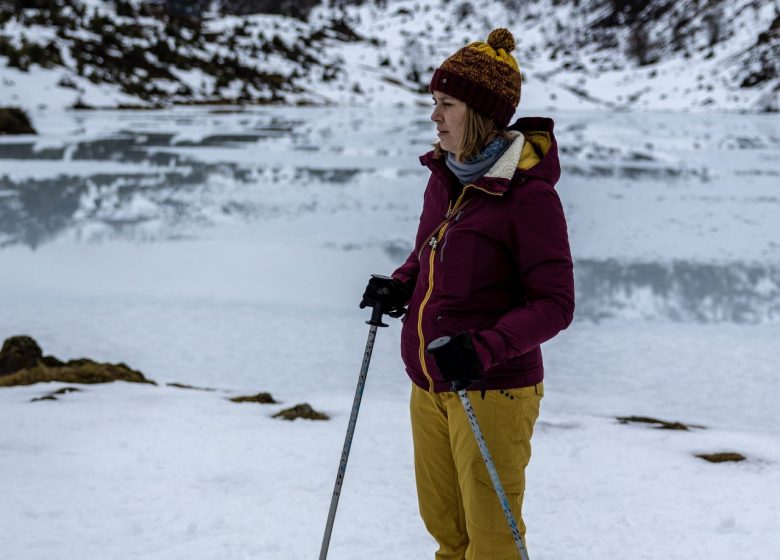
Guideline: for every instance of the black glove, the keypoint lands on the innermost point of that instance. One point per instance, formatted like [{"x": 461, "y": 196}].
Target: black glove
[
  {"x": 391, "y": 293},
  {"x": 457, "y": 360}
]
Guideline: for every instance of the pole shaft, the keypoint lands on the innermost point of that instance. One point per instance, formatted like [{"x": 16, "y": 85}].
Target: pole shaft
[
  {"x": 491, "y": 467},
  {"x": 334, "y": 502}
]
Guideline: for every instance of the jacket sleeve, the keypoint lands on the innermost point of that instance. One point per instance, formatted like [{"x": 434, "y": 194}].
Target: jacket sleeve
[
  {"x": 407, "y": 272},
  {"x": 539, "y": 243}
]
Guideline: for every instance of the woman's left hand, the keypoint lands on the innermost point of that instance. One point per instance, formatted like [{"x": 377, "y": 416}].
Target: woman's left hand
[{"x": 456, "y": 359}]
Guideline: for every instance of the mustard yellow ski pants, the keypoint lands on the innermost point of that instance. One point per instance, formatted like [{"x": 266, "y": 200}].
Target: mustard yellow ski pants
[{"x": 458, "y": 503}]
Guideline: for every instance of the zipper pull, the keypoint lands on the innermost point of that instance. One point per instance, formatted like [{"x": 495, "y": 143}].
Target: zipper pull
[
  {"x": 433, "y": 243},
  {"x": 448, "y": 213}
]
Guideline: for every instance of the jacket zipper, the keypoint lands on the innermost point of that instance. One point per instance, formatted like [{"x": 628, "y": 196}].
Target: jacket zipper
[
  {"x": 444, "y": 244},
  {"x": 433, "y": 243}
]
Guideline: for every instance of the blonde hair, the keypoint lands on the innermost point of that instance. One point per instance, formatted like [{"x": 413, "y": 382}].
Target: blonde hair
[{"x": 478, "y": 132}]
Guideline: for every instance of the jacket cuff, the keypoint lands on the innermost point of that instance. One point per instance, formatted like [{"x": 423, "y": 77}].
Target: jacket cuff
[
  {"x": 482, "y": 350},
  {"x": 407, "y": 283}
]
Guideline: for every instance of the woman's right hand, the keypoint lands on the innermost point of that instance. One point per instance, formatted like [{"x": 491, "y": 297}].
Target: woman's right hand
[{"x": 389, "y": 292}]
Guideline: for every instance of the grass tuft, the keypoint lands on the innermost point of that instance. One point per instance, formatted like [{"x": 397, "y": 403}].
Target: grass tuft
[
  {"x": 262, "y": 398},
  {"x": 303, "y": 410},
  {"x": 74, "y": 371},
  {"x": 659, "y": 424},
  {"x": 724, "y": 457},
  {"x": 191, "y": 387}
]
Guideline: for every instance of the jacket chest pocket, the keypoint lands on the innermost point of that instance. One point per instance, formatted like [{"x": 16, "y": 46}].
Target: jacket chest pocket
[
  {"x": 455, "y": 260},
  {"x": 470, "y": 261}
]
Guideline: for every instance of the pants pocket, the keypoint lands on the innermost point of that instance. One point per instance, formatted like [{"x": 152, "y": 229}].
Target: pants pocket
[{"x": 484, "y": 513}]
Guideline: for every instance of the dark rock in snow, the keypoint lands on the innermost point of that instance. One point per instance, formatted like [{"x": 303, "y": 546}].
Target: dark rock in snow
[
  {"x": 53, "y": 396},
  {"x": 15, "y": 121},
  {"x": 303, "y": 410},
  {"x": 22, "y": 363},
  {"x": 19, "y": 352},
  {"x": 44, "y": 398}
]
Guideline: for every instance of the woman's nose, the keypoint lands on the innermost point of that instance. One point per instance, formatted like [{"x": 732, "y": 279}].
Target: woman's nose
[{"x": 435, "y": 116}]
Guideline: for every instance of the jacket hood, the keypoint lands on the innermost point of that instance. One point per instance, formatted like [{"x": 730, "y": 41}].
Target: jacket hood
[
  {"x": 533, "y": 154},
  {"x": 538, "y": 133}
]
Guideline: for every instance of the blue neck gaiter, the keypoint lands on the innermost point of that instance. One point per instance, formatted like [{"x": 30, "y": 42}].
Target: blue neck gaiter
[{"x": 476, "y": 167}]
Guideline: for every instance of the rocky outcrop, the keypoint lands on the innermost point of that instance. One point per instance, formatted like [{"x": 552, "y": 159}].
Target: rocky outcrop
[
  {"x": 15, "y": 121},
  {"x": 22, "y": 363},
  {"x": 19, "y": 352}
]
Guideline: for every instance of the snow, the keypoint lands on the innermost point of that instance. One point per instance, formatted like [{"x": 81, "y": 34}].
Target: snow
[{"x": 265, "y": 299}]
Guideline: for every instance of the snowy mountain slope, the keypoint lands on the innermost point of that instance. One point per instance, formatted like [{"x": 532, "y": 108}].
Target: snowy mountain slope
[
  {"x": 574, "y": 54},
  {"x": 101, "y": 54},
  {"x": 605, "y": 53}
]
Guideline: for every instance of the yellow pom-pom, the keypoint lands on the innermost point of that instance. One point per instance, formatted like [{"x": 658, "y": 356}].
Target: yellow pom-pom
[{"x": 501, "y": 38}]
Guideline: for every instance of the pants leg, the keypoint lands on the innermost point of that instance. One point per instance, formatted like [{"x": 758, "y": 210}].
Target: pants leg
[
  {"x": 457, "y": 500},
  {"x": 506, "y": 418},
  {"x": 438, "y": 490}
]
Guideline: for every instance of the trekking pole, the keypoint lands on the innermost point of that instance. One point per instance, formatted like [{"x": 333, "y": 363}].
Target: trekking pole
[
  {"x": 375, "y": 321},
  {"x": 491, "y": 467},
  {"x": 460, "y": 388}
]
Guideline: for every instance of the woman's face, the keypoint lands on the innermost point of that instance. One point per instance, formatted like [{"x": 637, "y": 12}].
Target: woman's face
[{"x": 449, "y": 114}]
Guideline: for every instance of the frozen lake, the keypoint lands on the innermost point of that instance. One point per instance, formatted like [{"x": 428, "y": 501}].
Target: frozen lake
[
  {"x": 671, "y": 216},
  {"x": 229, "y": 249}
]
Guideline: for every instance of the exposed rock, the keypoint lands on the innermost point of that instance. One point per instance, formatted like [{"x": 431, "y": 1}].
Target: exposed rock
[
  {"x": 22, "y": 363},
  {"x": 53, "y": 396},
  {"x": 15, "y": 121},
  {"x": 192, "y": 387},
  {"x": 262, "y": 398},
  {"x": 19, "y": 352},
  {"x": 659, "y": 424},
  {"x": 724, "y": 457},
  {"x": 44, "y": 398},
  {"x": 303, "y": 410},
  {"x": 294, "y": 8}
]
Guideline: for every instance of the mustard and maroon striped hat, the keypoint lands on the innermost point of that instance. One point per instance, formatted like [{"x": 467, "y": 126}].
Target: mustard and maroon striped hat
[{"x": 484, "y": 76}]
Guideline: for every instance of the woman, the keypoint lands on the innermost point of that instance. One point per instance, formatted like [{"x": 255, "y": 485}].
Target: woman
[{"x": 491, "y": 268}]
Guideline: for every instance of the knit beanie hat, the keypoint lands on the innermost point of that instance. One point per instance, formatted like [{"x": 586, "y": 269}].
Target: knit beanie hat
[{"x": 484, "y": 76}]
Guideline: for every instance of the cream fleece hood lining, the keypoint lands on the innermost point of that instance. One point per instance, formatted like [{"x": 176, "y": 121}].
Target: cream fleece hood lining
[{"x": 506, "y": 165}]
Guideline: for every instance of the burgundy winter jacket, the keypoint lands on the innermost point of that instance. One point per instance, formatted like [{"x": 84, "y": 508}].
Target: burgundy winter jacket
[{"x": 492, "y": 259}]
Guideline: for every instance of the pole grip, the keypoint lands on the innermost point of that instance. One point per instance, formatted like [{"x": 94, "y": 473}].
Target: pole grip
[
  {"x": 460, "y": 384},
  {"x": 376, "y": 316}
]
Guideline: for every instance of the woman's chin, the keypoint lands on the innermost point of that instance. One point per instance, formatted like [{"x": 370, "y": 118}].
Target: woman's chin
[{"x": 444, "y": 145}]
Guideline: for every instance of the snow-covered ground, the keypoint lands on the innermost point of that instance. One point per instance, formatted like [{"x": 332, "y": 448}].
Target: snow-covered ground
[{"x": 229, "y": 250}]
